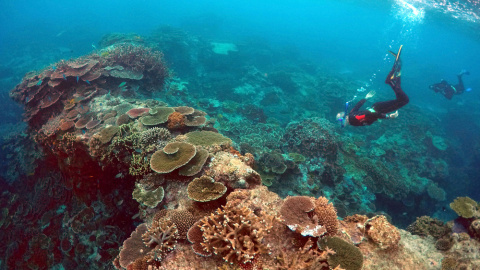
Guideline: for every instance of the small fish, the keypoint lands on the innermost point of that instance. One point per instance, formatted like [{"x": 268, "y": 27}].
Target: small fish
[
  {"x": 81, "y": 106},
  {"x": 87, "y": 81},
  {"x": 39, "y": 82},
  {"x": 122, "y": 84},
  {"x": 64, "y": 77},
  {"x": 78, "y": 78},
  {"x": 49, "y": 98},
  {"x": 83, "y": 131},
  {"x": 93, "y": 46},
  {"x": 27, "y": 99}
]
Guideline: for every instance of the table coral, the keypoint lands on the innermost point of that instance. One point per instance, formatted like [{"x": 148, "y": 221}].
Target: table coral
[
  {"x": 205, "y": 189},
  {"x": 173, "y": 156},
  {"x": 465, "y": 207}
]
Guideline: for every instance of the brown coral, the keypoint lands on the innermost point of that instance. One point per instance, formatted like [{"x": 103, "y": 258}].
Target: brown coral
[
  {"x": 173, "y": 156},
  {"x": 310, "y": 217},
  {"x": 205, "y": 189},
  {"x": 176, "y": 120},
  {"x": 465, "y": 207},
  {"x": 195, "y": 165},
  {"x": 381, "y": 232},
  {"x": 235, "y": 233},
  {"x": 162, "y": 236}
]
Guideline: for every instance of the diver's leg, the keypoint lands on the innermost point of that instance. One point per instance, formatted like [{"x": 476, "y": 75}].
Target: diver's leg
[
  {"x": 460, "y": 87},
  {"x": 392, "y": 105}
]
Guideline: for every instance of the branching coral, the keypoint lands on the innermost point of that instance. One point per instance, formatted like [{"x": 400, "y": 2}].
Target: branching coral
[
  {"x": 235, "y": 233},
  {"x": 140, "y": 59},
  {"x": 162, "y": 236}
]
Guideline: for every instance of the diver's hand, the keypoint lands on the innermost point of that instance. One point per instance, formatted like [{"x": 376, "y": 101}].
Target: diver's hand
[
  {"x": 393, "y": 115},
  {"x": 370, "y": 94}
]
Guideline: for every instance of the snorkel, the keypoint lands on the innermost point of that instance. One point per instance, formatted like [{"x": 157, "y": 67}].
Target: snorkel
[{"x": 343, "y": 119}]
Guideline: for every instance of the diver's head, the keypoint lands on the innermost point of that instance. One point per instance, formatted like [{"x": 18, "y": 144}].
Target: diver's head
[{"x": 342, "y": 118}]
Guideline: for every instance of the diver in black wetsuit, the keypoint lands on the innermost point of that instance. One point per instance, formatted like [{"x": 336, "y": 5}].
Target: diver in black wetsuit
[
  {"x": 449, "y": 90},
  {"x": 379, "y": 110}
]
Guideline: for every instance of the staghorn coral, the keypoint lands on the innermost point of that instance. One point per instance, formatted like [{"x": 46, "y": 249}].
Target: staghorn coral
[
  {"x": 381, "y": 232},
  {"x": 307, "y": 258},
  {"x": 162, "y": 236},
  {"x": 205, "y": 189},
  {"x": 236, "y": 234}
]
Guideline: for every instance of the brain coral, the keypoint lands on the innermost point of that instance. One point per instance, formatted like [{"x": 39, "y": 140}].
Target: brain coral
[
  {"x": 173, "y": 156},
  {"x": 205, "y": 189},
  {"x": 346, "y": 255}
]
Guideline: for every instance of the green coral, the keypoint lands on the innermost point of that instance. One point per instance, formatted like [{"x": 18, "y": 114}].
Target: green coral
[
  {"x": 207, "y": 138},
  {"x": 139, "y": 165},
  {"x": 426, "y": 225},
  {"x": 465, "y": 207},
  {"x": 296, "y": 157},
  {"x": 347, "y": 256},
  {"x": 157, "y": 116},
  {"x": 150, "y": 198}
]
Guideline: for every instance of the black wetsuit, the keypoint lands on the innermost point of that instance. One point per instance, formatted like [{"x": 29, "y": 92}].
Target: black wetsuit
[
  {"x": 378, "y": 109},
  {"x": 447, "y": 89}
]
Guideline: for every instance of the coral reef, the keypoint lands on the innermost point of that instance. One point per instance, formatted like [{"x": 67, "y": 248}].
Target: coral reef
[{"x": 118, "y": 160}]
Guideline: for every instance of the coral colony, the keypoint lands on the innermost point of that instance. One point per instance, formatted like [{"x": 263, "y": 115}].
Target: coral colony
[{"x": 131, "y": 182}]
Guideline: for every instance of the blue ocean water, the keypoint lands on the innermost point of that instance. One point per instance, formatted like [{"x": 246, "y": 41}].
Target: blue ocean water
[{"x": 347, "y": 39}]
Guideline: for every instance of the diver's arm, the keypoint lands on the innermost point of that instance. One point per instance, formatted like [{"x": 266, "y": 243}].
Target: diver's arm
[{"x": 358, "y": 105}]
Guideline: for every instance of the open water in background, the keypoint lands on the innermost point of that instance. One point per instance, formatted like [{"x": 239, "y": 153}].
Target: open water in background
[{"x": 350, "y": 37}]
